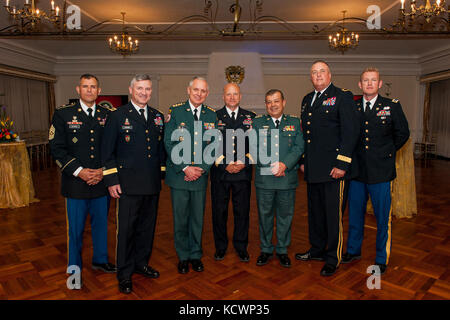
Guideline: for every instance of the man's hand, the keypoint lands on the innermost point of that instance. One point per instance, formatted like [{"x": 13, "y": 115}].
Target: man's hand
[
  {"x": 235, "y": 167},
  {"x": 88, "y": 175},
  {"x": 278, "y": 169},
  {"x": 115, "y": 191},
  {"x": 98, "y": 176},
  {"x": 192, "y": 173},
  {"x": 337, "y": 173},
  {"x": 302, "y": 167}
]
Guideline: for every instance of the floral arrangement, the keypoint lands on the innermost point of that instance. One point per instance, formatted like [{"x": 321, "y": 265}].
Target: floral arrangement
[{"x": 6, "y": 132}]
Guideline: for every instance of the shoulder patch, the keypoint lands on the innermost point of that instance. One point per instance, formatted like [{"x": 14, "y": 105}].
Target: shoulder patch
[
  {"x": 108, "y": 107},
  {"x": 395, "y": 100},
  {"x": 65, "y": 106}
]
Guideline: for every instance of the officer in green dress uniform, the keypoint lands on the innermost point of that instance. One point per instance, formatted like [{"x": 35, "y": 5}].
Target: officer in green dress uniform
[
  {"x": 280, "y": 138},
  {"x": 187, "y": 171}
]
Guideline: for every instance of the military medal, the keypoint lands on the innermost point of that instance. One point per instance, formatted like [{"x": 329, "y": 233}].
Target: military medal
[
  {"x": 127, "y": 138},
  {"x": 127, "y": 126},
  {"x": 74, "y": 124}
]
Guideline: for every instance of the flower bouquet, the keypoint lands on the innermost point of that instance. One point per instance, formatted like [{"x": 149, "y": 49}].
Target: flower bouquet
[{"x": 6, "y": 132}]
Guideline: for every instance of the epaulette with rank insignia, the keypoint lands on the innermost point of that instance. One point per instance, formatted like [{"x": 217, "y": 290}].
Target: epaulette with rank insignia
[
  {"x": 345, "y": 90},
  {"x": 292, "y": 116},
  {"x": 210, "y": 109},
  {"x": 108, "y": 107},
  {"x": 160, "y": 111},
  {"x": 395, "y": 100},
  {"x": 65, "y": 106},
  {"x": 259, "y": 116},
  {"x": 177, "y": 104}
]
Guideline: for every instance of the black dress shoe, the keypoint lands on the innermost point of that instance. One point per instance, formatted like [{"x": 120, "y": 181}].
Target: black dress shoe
[
  {"x": 382, "y": 267},
  {"x": 148, "y": 272},
  {"x": 183, "y": 266},
  {"x": 125, "y": 286},
  {"x": 284, "y": 260},
  {"x": 243, "y": 256},
  {"x": 219, "y": 255},
  {"x": 348, "y": 257},
  {"x": 263, "y": 258},
  {"x": 105, "y": 267},
  {"x": 307, "y": 256},
  {"x": 197, "y": 265},
  {"x": 328, "y": 270}
]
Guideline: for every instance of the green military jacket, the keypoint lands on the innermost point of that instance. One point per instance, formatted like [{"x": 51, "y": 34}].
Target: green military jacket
[
  {"x": 290, "y": 147},
  {"x": 188, "y": 135}
]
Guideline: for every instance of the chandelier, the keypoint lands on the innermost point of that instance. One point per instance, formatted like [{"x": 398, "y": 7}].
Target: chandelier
[
  {"x": 29, "y": 17},
  {"x": 424, "y": 16},
  {"x": 123, "y": 44},
  {"x": 343, "y": 40}
]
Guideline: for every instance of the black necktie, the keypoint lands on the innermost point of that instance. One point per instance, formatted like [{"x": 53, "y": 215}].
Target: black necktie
[
  {"x": 90, "y": 113},
  {"x": 232, "y": 116},
  {"x": 195, "y": 114},
  {"x": 316, "y": 96},
  {"x": 142, "y": 111},
  {"x": 277, "y": 123},
  {"x": 367, "y": 108}
]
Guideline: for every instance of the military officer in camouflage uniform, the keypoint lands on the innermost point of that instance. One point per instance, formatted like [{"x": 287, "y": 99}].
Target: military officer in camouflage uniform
[
  {"x": 277, "y": 180},
  {"x": 75, "y": 136},
  {"x": 133, "y": 157},
  {"x": 330, "y": 129},
  {"x": 187, "y": 171},
  {"x": 384, "y": 130},
  {"x": 232, "y": 174}
]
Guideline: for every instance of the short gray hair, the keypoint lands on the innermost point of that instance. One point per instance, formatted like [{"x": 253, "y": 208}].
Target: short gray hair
[
  {"x": 198, "y": 78},
  {"x": 140, "y": 77}
]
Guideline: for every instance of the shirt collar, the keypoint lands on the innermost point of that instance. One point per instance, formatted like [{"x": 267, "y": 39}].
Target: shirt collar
[
  {"x": 139, "y": 108},
  {"x": 315, "y": 91},
  {"x": 275, "y": 119},
  {"x": 85, "y": 108},
  {"x": 372, "y": 102},
  {"x": 235, "y": 111},
  {"x": 199, "y": 108}
]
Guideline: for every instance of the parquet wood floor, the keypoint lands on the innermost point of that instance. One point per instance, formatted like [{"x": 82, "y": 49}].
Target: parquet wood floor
[{"x": 33, "y": 254}]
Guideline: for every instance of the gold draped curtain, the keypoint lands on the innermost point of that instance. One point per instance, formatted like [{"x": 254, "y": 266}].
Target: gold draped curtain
[
  {"x": 16, "y": 184},
  {"x": 403, "y": 191}
]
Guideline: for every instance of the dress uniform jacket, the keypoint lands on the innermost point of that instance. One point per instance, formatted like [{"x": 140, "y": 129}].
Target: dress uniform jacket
[
  {"x": 74, "y": 140},
  {"x": 133, "y": 152},
  {"x": 244, "y": 120},
  {"x": 180, "y": 117},
  {"x": 384, "y": 130},
  {"x": 290, "y": 146},
  {"x": 330, "y": 129}
]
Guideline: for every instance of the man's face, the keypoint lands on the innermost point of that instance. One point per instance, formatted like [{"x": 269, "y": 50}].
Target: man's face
[
  {"x": 275, "y": 105},
  {"x": 88, "y": 90},
  {"x": 320, "y": 76},
  {"x": 198, "y": 92},
  {"x": 370, "y": 83},
  {"x": 141, "y": 92},
  {"x": 231, "y": 96}
]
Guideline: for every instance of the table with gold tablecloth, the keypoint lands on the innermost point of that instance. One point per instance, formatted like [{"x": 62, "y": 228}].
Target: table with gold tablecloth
[
  {"x": 403, "y": 191},
  {"x": 16, "y": 183}
]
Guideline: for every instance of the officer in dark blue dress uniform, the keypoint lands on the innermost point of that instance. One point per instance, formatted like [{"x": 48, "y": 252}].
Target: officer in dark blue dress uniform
[
  {"x": 74, "y": 137},
  {"x": 133, "y": 158},
  {"x": 232, "y": 175},
  {"x": 330, "y": 129},
  {"x": 384, "y": 130}
]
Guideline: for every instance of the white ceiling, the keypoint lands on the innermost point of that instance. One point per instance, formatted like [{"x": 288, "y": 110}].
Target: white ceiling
[{"x": 302, "y": 15}]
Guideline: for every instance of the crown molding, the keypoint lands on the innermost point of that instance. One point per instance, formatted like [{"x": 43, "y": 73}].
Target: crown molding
[{"x": 20, "y": 56}]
